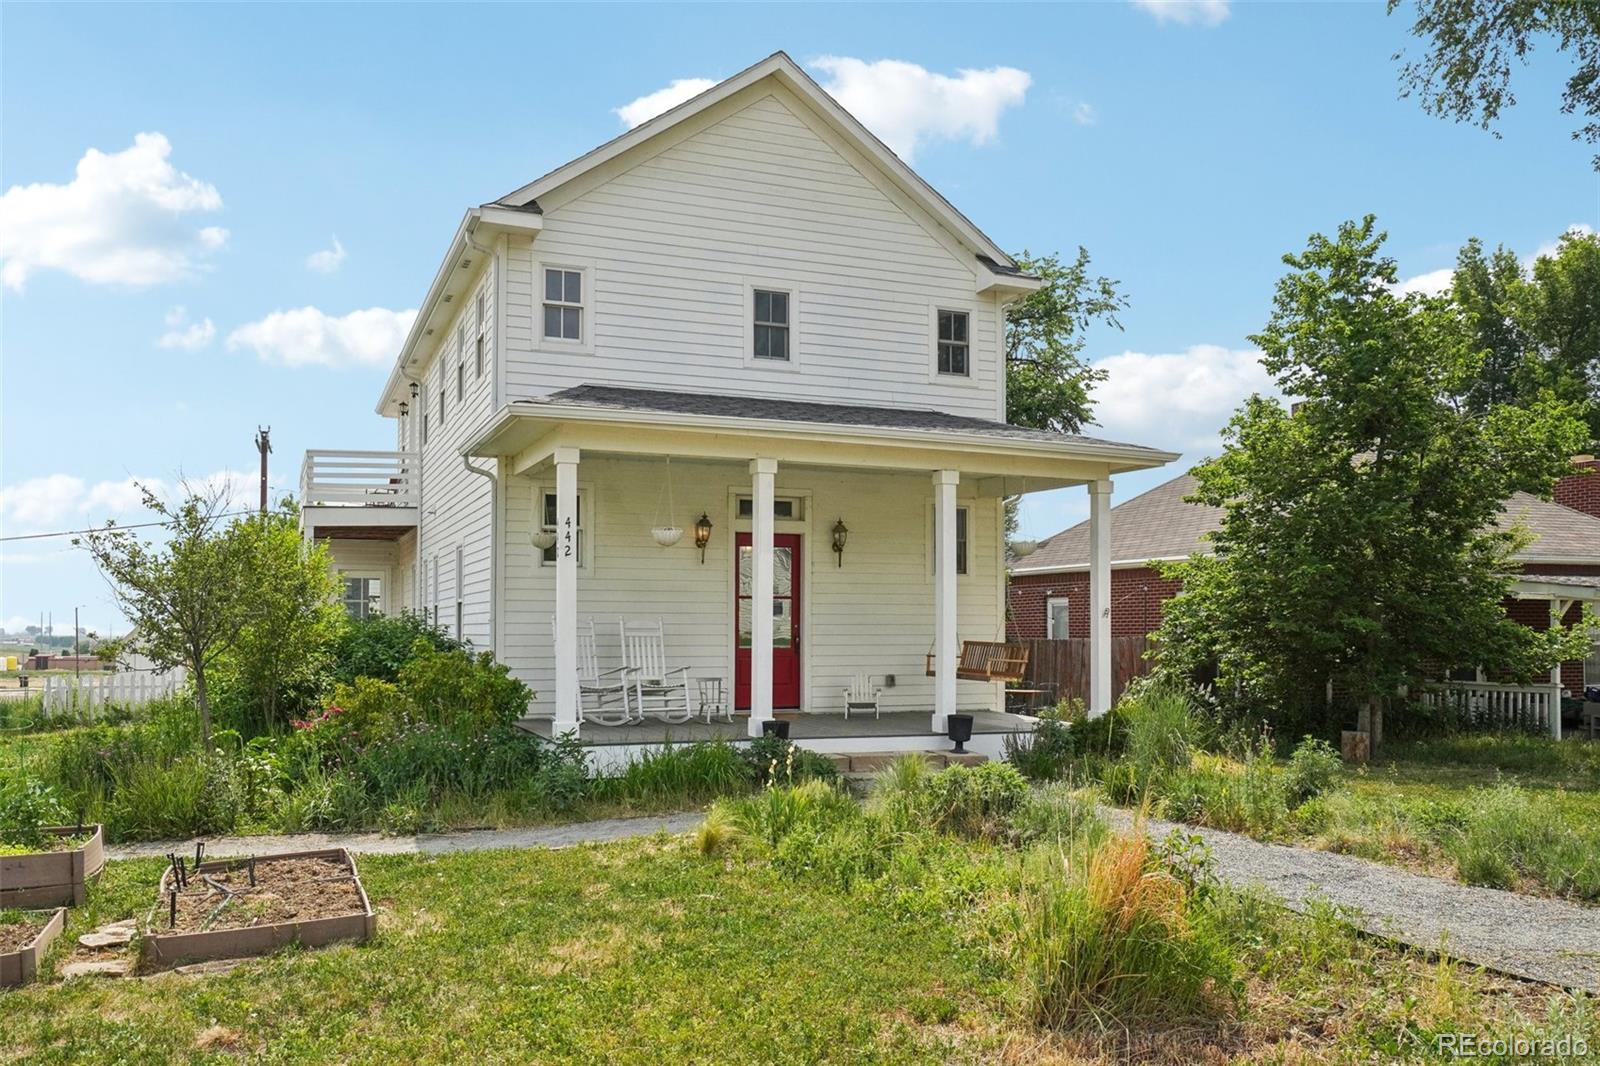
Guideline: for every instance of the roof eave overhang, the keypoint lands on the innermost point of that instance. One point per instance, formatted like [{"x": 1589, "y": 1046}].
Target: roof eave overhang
[
  {"x": 1119, "y": 458},
  {"x": 479, "y": 227},
  {"x": 1116, "y": 564}
]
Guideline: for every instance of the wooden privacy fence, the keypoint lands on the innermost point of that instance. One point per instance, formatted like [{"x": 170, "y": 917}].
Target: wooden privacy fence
[
  {"x": 1062, "y": 667},
  {"x": 1487, "y": 705},
  {"x": 83, "y": 695}
]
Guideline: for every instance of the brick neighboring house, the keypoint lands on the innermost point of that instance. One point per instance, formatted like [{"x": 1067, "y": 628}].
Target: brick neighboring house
[{"x": 1048, "y": 593}]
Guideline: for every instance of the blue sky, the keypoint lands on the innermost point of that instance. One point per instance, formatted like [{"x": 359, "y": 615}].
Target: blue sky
[{"x": 1188, "y": 149}]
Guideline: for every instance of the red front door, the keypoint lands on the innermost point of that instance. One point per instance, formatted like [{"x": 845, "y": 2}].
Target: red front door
[{"x": 785, "y": 620}]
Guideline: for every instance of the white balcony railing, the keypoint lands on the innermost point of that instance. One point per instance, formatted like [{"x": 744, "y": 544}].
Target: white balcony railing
[
  {"x": 1488, "y": 705},
  {"x": 359, "y": 479}
]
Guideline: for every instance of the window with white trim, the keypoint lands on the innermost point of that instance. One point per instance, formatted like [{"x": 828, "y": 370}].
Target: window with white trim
[
  {"x": 770, "y": 322},
  {"x": 433, "y": 573},
  {"x": 961, "y": 541},
  {"x": 441, "y": 394},
  {"x": 563, "y": 304},
  {"x": 955, "y": 343},
  {"x": 1056, "y": 615},
  {"x": 547, "y": 522},
  {"x": 480, "y": 343},
  {"x": 422, "y": 403},
  {"x": 362, "y": 596},
  {"x": 784, "y": 508},
  {"x": 461, "y": 585},
  {"x": 461, "y": 362}
]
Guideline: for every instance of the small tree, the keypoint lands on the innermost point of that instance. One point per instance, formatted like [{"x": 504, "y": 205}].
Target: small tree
[
  {"x": 280, "y": 657},
  {"x": 1359, "y": 542},
  {"x": 188, "y": 598}
]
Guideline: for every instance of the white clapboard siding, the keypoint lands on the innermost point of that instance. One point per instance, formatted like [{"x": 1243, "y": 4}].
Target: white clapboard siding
[
  {"x": 92, "y": 692},
  {"x": 874, "y": 615},
  {"x": 673, "y": 243}
]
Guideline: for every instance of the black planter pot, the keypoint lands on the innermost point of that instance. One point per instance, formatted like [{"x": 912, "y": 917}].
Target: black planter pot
[
  {"x": 959, "y": 727},
  {"x": 776, "y": 727}
]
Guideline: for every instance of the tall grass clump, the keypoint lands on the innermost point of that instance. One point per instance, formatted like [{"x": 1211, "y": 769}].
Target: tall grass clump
[
  {"x": 1104, "y": 939},
  {"x": 678, "y": 775},
  {"x": 1163, "y": 730},
  {"x": 1505, "y": 839}
]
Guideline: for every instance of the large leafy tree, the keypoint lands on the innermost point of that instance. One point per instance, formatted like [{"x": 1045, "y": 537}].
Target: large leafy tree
[
  {"x": 1359, "y": 542},
  {"x": 1049, "y": 384},
  {"x": 1539, "y": 327},
  {"x": 188, "y": 597},
  {"x": 1471, "y": 45}
]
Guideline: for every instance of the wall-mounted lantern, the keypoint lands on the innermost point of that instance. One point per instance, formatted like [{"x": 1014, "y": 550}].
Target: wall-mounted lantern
[
  {"x": 405, "y": 408},
  {"x": 414, "y": 390},
  {"x": 840, "y": 536},
  {"x": 702, "y": 534}
]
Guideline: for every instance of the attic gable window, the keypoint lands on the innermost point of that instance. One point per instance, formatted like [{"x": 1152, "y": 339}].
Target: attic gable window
[
  {"x": 954, "y": 343},
  {"x": 771, "y": 335},
  {"x": 563, "y": 304}
]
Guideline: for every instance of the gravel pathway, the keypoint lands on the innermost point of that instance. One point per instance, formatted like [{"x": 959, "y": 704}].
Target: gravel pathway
[
  {"x": 550, "y": 836},
  {"x": 1525, "y": 936}
]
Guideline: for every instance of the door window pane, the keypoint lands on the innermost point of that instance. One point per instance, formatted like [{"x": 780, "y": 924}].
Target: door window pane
[{"x": 782, "y": 622}]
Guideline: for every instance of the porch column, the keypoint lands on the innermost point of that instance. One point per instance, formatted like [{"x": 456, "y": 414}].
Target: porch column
[
  {"x": 566, "y": 462},
  {"x": 762, "y": 472},
  {"x": 1099, "y": 597},
  {"x": 944, "y": 597}
]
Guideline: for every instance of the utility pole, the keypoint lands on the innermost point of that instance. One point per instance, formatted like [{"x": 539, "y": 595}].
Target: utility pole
[
  {"x": 264, "y": 446},
  {"x": 77, "y": 659}
]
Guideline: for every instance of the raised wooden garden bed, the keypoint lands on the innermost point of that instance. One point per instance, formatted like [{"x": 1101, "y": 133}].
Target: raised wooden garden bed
[
  {"x": 305, "y": 897},
  {"x": 22, "y": 948},
  {"x": 53, "y": 878}
]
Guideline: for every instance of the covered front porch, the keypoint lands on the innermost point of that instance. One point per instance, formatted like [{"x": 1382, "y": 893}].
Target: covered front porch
[{"x": 876, "y": 554}]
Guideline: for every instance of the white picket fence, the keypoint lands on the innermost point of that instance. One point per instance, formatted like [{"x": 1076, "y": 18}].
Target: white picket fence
[
  {"x": 1487, "y": 705},
  {"x": 88, "y": 693}
]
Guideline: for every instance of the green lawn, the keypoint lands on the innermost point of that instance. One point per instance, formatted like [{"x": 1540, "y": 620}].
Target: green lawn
[{"x": 647, "y": 951}]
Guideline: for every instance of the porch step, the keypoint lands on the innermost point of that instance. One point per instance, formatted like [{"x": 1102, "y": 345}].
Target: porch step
[{"x": 870, "y": 762}]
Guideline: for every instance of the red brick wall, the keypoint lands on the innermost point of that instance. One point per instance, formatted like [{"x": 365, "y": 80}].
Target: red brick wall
[
  {"x": 1581, "y": 492},
  {"x": 1136, "y": 598}
]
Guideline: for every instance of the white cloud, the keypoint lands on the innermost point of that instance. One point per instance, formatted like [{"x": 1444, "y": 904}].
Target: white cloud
[
  {"x": 650, "y": 105},
  {"x": 907, "y": 106},
  {"x": 1179, "y": 401},
  {"x": 122, "y": 219},
  {"x": 1186, "y": 12},
  {"x": 1577, "y": 229},
  {"x": 308, "y": 336},
  {"x": 186, "y": 335},
  {"x": 327, "y": 260},
  {"x": 1085, "y": 115}
]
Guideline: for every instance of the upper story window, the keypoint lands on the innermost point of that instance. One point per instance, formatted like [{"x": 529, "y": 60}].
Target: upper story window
[
  {"x": 441, "y": 394},
  {"x": 461, "y": 362},
  {"x": 955, "y": 345},
  {"x": 422, "y": 404},
  {"x": 479, "y": 344},
  {"x": 563, "y": 304},
  {"x": 771, "y": 322}
]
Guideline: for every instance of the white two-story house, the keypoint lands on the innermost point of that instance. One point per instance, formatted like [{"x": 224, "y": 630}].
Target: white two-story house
[{"x": 739, "y": 370}]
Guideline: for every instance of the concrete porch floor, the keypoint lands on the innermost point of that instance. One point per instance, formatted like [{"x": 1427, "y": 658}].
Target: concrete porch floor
[{"x": 801, "y": 727}]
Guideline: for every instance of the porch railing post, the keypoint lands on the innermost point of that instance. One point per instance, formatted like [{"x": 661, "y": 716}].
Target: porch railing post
[
  {"x": 944, "y": 598},
  {"x": 566, "y": 636},
  {"x": 1099, "y": 597},
  {"x": 763, "y": 473}
]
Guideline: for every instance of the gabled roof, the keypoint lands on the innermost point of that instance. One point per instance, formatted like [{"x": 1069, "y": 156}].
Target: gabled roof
[
  {"x": 1161, "y": 525},
  {"x": 780, "y": 66}
]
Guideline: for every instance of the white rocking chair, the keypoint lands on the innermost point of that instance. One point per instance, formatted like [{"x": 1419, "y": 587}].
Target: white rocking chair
[
  {"x": 658, "y": 689},
  {"x": 605, "y": 687},
  {"x": 862, "y": 695}
]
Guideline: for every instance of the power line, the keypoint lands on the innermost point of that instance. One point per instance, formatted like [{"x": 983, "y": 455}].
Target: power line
[{"x": 102, "y": 529}]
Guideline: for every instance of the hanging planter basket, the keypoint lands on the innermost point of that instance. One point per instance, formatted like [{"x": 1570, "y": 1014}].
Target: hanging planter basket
[
  {"x": 664, "y": 534},
  {"x": 543, "y": 539},
  {"x": 1024, "y": 548},
  {"x": 667, "y": 536}
]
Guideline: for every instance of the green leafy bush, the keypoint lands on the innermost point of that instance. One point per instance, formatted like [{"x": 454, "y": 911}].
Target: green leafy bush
[
  {"x": 1313, "y": 769},
  {"x": 457, "y": 691},
  {"x": 26, "y": 807},
  {"x": 379, "y": 646},
  {"x": 775, "y": 760},
  {"x": 975, "y": 800}
]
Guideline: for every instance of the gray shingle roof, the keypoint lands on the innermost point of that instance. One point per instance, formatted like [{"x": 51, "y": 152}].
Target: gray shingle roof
[
  {"x": 722, "y": 405},
  {"x": 1159, "y": 524}
]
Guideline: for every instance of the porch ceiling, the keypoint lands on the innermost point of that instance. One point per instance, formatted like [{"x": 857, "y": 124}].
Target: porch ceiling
[{"x": 825, "y": 435}]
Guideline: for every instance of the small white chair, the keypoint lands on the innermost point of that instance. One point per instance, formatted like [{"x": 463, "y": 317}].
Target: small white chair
[
  {"x": 658, "y": 689},
  {"x": 603, "y": 686},
  {"x": 862, "y": 695}
]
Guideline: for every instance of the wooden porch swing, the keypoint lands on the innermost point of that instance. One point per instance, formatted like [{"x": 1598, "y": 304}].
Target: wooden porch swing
[{"x": 988, "y": 660}]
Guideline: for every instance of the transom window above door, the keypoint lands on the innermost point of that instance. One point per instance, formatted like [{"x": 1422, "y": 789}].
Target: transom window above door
[
  {"x": 955, "y": 345},
  {"x": 563, "y": 304},
  {"x": 784, "y": 508},
  {"x": 771, "y": 325}
]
